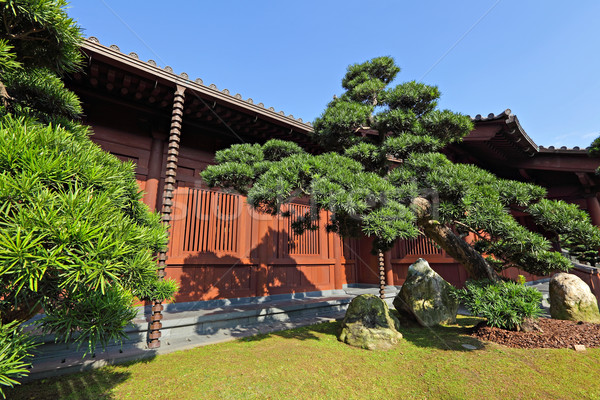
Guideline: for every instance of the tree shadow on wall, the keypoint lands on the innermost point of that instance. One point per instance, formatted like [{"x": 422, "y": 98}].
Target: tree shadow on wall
[
  {"x": 266, "y": 269},
  {"x": 224, "y": 293}
]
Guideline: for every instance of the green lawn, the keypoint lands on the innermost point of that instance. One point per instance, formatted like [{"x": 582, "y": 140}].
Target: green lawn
[{"x": 309, "y": 363}]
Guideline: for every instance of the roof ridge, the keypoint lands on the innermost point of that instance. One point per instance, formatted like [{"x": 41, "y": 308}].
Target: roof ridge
[
  {"x": 492, "y": 117},
  {"x": 557, "y": 149}
]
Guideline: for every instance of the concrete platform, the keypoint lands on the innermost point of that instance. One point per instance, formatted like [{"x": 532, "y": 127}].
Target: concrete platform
[
  {"x": 544, "y": 287},
  {"x": 188, "y": 325}
]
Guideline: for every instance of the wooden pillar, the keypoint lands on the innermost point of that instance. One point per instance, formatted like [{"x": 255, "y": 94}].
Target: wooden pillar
[
  {"x": 264, "y": 252},
  {"x": 593, "y": 208},
  {"x": 337, "y": 255},
  {"x": 389, "y": 272},
  {"x": 154, "y": 169},
  {"x": 170, "y": 174}
]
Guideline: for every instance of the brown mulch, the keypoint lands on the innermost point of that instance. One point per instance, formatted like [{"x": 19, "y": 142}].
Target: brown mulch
[{"x": 553, "y": 333}]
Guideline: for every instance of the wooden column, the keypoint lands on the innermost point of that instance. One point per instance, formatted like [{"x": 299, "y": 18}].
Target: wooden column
[
  {"x": 593, "y": 208},
  {"x": 170, "y": 174},
  {"x": 154, "y": 169},
  {"x": 389, "y": 273},
  {"x": 337, "y": 255},
  {"x": 264, "y": 254}
]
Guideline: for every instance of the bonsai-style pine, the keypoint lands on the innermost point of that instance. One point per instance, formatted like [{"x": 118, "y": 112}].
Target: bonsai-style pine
[
  {"x": 75, "y": 241},
  {"x": 383, "y": 175}
]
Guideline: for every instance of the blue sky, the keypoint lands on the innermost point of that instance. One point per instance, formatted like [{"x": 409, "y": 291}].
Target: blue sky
[{"x": 541, "y": 59}]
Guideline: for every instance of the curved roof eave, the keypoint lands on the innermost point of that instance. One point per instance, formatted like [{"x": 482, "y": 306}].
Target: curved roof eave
[{"x": 92, "y": 47}]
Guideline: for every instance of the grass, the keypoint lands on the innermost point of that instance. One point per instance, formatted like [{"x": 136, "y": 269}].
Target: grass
[{"x": 309, "y": 363}]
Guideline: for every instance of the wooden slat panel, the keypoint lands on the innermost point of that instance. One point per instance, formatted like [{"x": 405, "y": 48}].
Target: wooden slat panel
[
  {"x": 211, "y": 223},
  {"x": 306, "y": 244},
  {"x": 421, "y": 246}
]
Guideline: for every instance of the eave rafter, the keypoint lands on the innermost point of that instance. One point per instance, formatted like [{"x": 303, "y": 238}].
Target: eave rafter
[
  {"x": 112, "y": 55},
  {"x": 125, "y": 80}
]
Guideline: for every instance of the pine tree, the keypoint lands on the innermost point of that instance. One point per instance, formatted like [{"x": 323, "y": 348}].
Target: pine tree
[
  {"x": 384, "y": 176},
  {"x": 76, "y": 242}
]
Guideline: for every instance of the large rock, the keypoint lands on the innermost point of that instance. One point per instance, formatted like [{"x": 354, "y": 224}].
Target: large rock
[
  {"x": 369, "y": 324},
  {"x": 572, "y": 299},
  {"x": 426, "y": 296}
]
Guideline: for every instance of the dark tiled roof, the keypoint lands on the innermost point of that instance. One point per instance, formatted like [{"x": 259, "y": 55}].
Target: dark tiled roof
[
  {"x": 515, "y": 132},
  {"x": 512, "y": 119}
]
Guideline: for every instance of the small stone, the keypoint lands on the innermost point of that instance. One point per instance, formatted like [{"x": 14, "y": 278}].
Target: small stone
[
  {"x": 469, "y": 346},
  {"x": 579, "y": 347},
  {"x": 530, "y": 325}
]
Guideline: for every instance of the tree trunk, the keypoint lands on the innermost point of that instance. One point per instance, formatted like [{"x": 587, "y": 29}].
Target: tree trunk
[
  {"x": 4, "y": 97},
  {"x": 21, "y": 313},
  {"x": 477, "y": 267}
]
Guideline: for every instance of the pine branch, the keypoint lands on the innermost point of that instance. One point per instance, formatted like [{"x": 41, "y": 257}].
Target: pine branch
[{"x": 25, "y": 35}]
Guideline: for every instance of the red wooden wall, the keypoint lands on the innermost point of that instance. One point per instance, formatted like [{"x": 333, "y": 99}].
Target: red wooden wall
[
  {"x": 220, "y": 248},
  {"x": 589, "y": 275}
]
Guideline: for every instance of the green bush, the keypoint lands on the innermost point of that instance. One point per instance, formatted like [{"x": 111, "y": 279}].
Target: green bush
[
  {"x": 15, "y": 349},
  {"x": 504, "y": 304},
  {"x": 76, "y": 242},
  {"x": 74, "y": 236}
]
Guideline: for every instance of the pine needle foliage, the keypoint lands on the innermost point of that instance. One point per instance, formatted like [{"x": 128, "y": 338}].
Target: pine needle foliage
[
  {"x": 76, "y": 242},
  {"x": 42, "y": 34},
  {"x": 15, "y": 348},
  {"x": 385, "y": 152}
]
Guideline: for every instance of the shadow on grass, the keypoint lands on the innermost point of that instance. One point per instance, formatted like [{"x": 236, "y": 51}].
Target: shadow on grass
[
  {"x": 93, "y": 384},
  {"x": 443, "y": 337},
  {"x": 447, "y": 337},
  {"x": 310, "y": 332}
]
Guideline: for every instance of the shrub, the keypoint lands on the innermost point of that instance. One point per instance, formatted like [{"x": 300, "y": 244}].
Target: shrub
[
  {"x": 73, "y": 234},
  {"x": 75, "y": 240},
  {"x": 504, "y": 304},
  {"x": 15, "y": 349}
]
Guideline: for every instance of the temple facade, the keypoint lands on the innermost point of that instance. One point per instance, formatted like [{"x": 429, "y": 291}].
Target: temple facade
[{"x": 170, "y": 127}]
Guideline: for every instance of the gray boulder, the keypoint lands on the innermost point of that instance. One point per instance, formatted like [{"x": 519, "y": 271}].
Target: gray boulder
[
  {"x": 572, "y": 299},
  {"x": 426, "y": 296},
  {"x": 368, "y": 324}
]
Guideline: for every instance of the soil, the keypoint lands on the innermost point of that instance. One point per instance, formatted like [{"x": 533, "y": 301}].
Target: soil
[{"x": 552, "y": 333}]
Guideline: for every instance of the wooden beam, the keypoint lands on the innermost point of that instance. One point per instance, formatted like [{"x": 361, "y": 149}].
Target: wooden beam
[
  {"x": 525, "y": 175},
  {"x": 585, "y": 180},
  {"x": 558, "y": 162}
]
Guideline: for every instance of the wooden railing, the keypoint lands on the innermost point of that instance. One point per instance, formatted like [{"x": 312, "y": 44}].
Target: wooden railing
[{"x": 420, "y": 246}]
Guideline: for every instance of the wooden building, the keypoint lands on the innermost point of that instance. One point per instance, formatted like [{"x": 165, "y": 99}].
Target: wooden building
[{"x": 171, "y": 126}]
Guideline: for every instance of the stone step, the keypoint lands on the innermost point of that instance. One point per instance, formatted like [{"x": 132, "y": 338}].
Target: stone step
[{"x": 188, "y": 325}]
